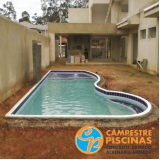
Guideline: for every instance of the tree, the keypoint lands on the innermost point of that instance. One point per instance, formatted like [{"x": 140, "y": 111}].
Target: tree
[
  {"x": 38, "y": 19},
  {"x": 8, "y": 11},
  {"x": 80, "y": 4},
  {"x": 52, "y": 8},
  {"x": 25, "y": 17}
]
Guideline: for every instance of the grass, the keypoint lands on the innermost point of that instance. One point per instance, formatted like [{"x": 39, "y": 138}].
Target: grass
[
  {"x": 145, "y": 73},
  {"x": 132, "y": 74},
  {"x": 150, "y": 82},
  {"x": 126, "y": 90},
  {"x": 134, "y": 88}
]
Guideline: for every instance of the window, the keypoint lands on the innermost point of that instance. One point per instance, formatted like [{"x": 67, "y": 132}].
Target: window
[
  {"x": 152, "y": 32},
  {"x": 143, "y": 34}
]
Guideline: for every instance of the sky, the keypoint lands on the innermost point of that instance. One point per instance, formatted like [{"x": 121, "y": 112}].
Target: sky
[{"x": 31, "y": 6}]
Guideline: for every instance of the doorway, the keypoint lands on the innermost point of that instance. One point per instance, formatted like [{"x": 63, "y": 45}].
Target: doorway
[
  {"x": 101, "y": 48},
  {"x": 123, "y": 48},
  {"x": 135, "y": 47}
]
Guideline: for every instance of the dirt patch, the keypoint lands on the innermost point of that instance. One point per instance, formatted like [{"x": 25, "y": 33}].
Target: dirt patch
[{"x": 59, "y": 142}]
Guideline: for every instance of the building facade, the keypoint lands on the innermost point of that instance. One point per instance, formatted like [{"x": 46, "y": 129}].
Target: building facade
[{"x": 123, "y": 31}]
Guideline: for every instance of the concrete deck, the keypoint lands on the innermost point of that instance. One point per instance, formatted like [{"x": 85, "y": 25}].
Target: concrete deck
[{"x": 92, "y": 63}]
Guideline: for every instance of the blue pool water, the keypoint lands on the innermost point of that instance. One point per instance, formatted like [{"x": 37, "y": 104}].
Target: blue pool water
[{"x": 71, "y": 94}]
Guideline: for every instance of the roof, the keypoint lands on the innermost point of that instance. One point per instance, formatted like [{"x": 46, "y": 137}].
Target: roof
[
  {"x": 151, "y": 7},
  {"x": 32, "y": 26},
  {"x": 129, "y": 22}
]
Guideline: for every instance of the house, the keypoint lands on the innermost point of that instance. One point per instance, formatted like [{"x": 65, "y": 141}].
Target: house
[
  {"x": 125, "y": 31},
  {"x": 142, "y": 22},
  {"x": 39, "y": 28}
]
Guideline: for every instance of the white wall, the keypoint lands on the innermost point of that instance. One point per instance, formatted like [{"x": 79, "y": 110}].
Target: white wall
[
  {"x": 16, "y": 58},
  {"x": 99, "y": 12},
  {"x": 78, "y": 15},
  {"x": 135, "y": 5},
  {"x": 90, "y": 11},
  {"x": 122, "y": 16},
  {"x": 148, "y": 47},
  {"x": 115, "y": 10},
  {"x": 95, "y": 2},
  {"x": 116, "y": 14}
]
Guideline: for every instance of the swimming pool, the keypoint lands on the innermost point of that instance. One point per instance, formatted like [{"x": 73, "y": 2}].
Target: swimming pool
[{"x": 75, "y": 94}]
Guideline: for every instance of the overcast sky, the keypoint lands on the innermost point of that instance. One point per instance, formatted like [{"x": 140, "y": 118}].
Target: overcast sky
[{"x": 31, "y": 6}]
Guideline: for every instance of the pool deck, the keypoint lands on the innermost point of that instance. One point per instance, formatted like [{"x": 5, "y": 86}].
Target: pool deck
[{"x": 92, "y": 63}]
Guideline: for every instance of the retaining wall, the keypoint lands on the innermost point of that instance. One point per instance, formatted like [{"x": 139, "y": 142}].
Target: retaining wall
[{"x": 16, "y": 57}]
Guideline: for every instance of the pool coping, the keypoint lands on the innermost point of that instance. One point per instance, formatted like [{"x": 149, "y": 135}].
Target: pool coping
[
  {"x": 51, "y": 123},
  {"x": 99, "y": 89}
]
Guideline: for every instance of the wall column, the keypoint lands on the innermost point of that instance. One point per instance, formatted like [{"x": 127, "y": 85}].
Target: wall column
[
  {"x": 129, "y": 49},
  {"x": 157, "y": 47},
  {"x": 90, "y": 15},
  {"x": 52, "y": 48}
]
